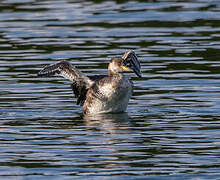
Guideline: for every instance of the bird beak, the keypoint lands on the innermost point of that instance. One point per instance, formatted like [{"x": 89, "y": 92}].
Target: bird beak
[
  {"x": 131, "y": 61},
  {"x": 124, "y": 68}
]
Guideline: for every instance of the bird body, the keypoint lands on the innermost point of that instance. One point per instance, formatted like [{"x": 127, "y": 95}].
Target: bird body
[
  {"x": 110, "y": 97},
  {"x": 100, "y": 93}
]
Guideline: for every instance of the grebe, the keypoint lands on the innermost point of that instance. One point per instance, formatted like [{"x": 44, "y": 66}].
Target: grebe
[{"x": 100, "y": 93}]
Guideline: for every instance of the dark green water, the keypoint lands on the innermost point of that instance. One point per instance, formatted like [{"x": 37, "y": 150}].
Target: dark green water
[{"x": 172, "y": 126}]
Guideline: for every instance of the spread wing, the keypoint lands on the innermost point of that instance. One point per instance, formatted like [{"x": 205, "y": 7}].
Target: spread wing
[
  {"x": 80, "y": 82},
  {"x": 131, "y": 60}
]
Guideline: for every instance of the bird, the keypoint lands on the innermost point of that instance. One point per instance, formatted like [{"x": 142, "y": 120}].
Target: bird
[{"x": 100, "y": 94}]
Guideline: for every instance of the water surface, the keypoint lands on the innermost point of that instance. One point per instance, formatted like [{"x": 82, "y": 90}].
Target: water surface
[{"x": 171, "y": 128}]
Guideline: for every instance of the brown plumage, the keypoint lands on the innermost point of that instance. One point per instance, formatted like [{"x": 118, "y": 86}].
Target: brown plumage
[{"x": 100, "y": 93}]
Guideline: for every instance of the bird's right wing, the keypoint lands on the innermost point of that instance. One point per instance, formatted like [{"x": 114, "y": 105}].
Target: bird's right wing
[{"x": 81, "y": 83}]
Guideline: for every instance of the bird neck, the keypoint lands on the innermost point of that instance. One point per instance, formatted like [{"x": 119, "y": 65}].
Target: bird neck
[{"x": 118, "y": 74}]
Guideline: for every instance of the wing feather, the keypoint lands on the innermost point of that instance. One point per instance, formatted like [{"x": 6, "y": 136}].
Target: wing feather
[
  {"x": 80, "y": 82},
  {"x": 131, "y": 60}
]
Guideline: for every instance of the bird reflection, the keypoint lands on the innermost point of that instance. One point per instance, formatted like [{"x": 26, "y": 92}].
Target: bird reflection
[{"x": 109, "y": 123}]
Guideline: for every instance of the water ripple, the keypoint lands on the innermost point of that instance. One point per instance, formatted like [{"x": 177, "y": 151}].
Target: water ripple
[{"x": 171, "y": 126}]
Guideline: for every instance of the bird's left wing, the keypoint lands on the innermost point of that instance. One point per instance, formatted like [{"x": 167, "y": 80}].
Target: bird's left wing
[{"x": 131, "y": 60}]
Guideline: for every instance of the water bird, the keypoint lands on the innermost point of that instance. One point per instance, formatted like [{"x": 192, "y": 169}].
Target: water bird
[{"x": 100, "y": 93}]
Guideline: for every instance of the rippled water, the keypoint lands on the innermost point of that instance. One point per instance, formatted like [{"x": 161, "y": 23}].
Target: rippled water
[{"x": 171, "y": 128}]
